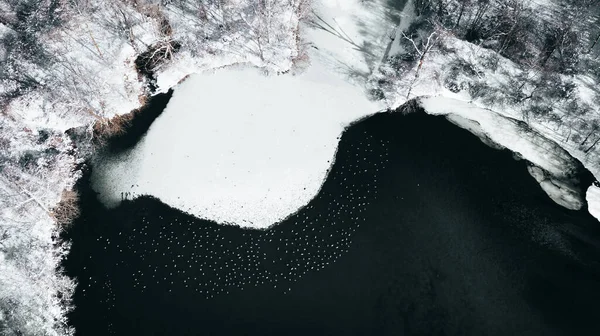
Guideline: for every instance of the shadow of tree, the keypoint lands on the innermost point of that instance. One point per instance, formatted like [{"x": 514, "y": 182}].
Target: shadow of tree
[{"x": 374, "y": 31}]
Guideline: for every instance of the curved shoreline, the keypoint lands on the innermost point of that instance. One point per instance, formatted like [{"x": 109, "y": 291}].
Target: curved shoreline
[{"x": 430, "y": 223}]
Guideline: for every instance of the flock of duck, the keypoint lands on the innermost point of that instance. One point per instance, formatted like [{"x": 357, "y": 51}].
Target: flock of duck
[
  {"x": 145, "y": 268},
  {"x": 157, "y": 251}
]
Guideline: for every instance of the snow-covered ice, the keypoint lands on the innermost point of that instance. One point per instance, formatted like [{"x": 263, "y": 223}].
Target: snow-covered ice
[
  {"x": 31, "y": 283},
  {"x": 236, "y": 146}
]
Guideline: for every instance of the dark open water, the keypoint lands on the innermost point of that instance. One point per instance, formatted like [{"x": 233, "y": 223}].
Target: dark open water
[{"x": 419, "y": 229}]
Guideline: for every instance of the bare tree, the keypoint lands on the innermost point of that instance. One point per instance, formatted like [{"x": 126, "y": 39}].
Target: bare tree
[
  {"x": 422, "y": 52},
  {"x": 463, "y": 5},
  {"x": 67, "y": 209},
  {"x": 477, "y": 20},
  {"x": 594, "y": 128},
  {"x": 77, "y": 7}
]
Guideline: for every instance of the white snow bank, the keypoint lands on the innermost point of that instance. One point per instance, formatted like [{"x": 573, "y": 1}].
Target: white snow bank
[
  {"x": 553, "y": 166},
  {"x": 238, "y": 147},
  {"x": 593, "y": 198}
]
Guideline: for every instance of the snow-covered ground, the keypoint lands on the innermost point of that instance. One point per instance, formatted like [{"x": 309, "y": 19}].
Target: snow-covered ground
[
  {"x": 532, "y": 142},
  {"x": 91, "y": 75},
  {"x": 286, "y": 142},
  {"x": 352, "y": 36},
  {"x": 35, "y": 168}
]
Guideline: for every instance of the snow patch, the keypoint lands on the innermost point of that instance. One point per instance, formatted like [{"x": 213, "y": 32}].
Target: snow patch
[
  {"x": 238, "y": 147},
  {"x": 593, "y": 198}
]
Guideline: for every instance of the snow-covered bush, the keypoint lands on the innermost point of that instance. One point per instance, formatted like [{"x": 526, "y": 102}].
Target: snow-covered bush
[{"x": 35, "y": 166}]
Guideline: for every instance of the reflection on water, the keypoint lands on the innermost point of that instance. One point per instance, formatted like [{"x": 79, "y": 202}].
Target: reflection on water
[{"x": 419, "y": 229}]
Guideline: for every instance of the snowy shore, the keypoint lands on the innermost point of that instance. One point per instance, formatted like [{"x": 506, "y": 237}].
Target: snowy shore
[{"x": 252, "y": 149}]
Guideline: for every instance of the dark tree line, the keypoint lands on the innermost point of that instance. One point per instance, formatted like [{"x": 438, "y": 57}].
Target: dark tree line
[
  {"x": 553, "y": 40},
  {"x": 23, "y": 50}
]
